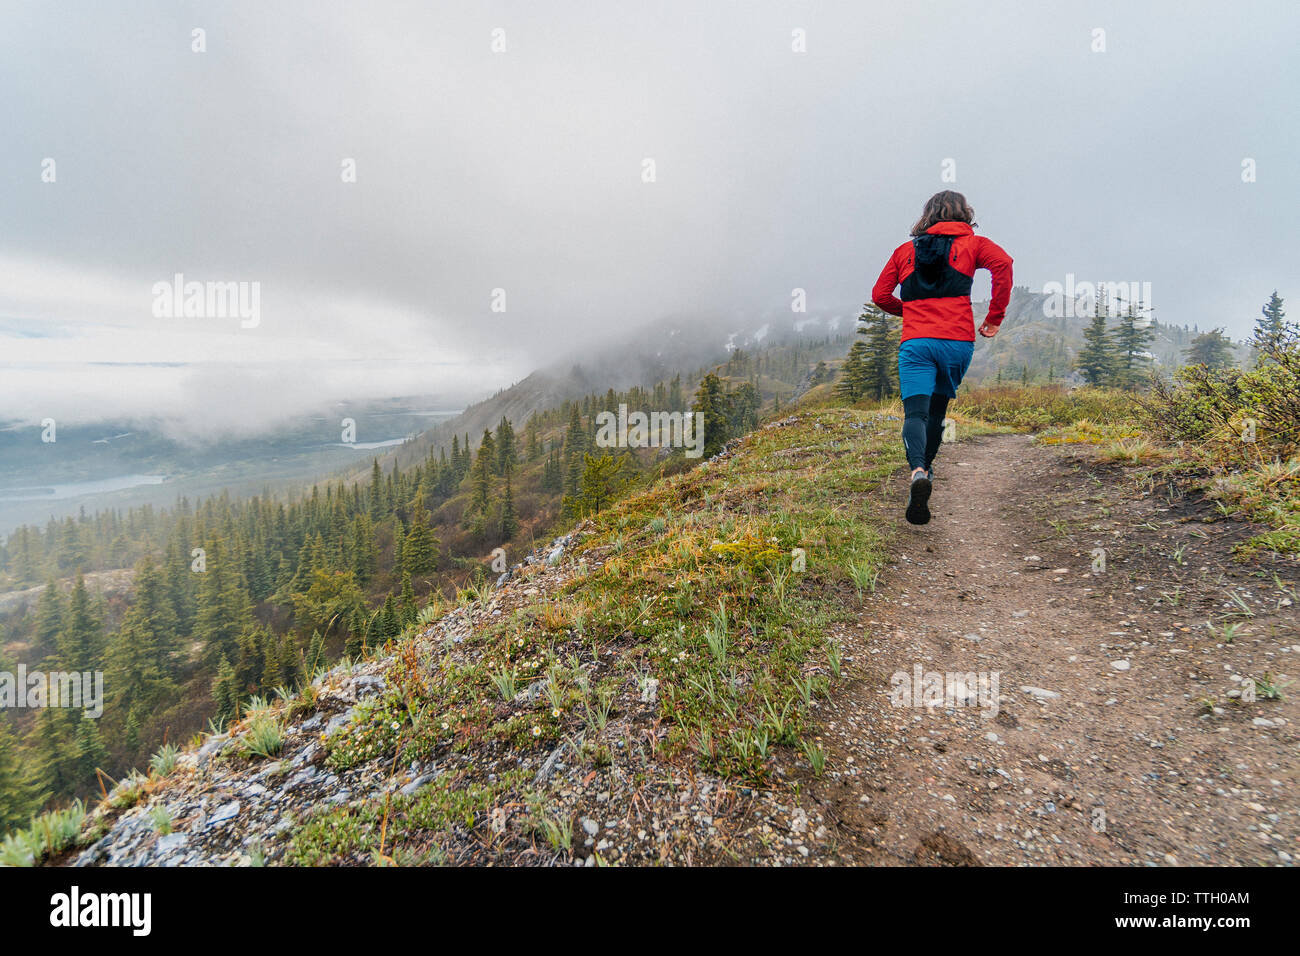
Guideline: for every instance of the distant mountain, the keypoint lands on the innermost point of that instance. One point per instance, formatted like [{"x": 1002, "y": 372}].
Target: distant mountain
[{"x": 675, "y": 345}]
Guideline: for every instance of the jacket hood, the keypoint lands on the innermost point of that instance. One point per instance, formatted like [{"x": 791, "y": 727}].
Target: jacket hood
[{"x": 950, "y": 229}]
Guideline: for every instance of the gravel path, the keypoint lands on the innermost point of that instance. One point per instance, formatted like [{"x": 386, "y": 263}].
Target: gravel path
[{"x": 1117, "y": 734}]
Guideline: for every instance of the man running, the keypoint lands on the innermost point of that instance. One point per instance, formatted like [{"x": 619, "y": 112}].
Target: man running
[{"x": 936, "y": 269}]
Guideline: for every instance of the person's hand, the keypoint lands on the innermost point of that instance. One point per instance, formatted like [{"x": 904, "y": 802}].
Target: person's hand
[{"x": 988, "y": 331}]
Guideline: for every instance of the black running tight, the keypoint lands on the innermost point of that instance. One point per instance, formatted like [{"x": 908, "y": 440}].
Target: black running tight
[{"x": 923, "y": 428}]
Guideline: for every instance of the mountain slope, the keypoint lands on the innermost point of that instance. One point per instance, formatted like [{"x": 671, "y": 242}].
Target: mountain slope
[{"x": 642, "y": 692}]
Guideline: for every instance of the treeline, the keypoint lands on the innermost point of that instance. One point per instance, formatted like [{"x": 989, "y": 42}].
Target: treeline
[{"x": 233, "y": 598}]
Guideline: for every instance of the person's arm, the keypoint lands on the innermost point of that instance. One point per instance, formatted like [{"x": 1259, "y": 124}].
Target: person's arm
[
  {"x": 882, "y": 294},
  {"x": 993, "y": 257}
]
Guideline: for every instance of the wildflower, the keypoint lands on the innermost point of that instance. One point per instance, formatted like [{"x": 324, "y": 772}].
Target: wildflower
[
  {"x": 537, "y": 731},
  {"x": 555, "y": 712},
  {"x": 394, "y": 725},
  {"x": 445, "y": 725}
]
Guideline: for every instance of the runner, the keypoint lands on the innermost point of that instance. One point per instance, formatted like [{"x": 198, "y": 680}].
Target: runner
[{"x": 935, "y": 270}]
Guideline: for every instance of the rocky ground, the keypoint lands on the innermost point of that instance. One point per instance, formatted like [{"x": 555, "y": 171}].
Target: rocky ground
[{"x": 222, "y": 808}]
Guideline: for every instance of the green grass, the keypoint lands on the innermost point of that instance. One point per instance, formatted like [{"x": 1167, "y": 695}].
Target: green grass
[
  {"x": 265, "y": 735},
  {"x": 694, "y": 582},
  {"x": 1045, "y": 406},
  {"x": 48, "y": 835},
  {"x": 418, "y": 824},
  {"x": 163, "y": 762}
]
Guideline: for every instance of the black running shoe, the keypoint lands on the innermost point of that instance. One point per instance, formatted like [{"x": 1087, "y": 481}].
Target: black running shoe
[{"x": 918, "y": 501}]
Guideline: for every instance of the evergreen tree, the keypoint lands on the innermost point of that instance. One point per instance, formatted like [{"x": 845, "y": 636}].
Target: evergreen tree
[
  {"x": 712, "y": 401},
  {"x": 480, "y": 501},
  {"x": 226, "y": 693},
  {"x": 49, "y": 622},
  {"x": 90, "y": 754},
  {"x": 532, "y": 438},
  {"x": 743, "y": 409},
  {"x": 1132, "y": 335},
  {"x": 375, "y": 498},
  {"x": 488, "y": 448},
  {"x": 1212, "y": 349},
  {"x": 602, "y": 478},
  {"x": 853, "y": 382},
  {"x": 420, "y": 549},
  {"x": 507, "y": 450},
  {"x": 52, "y": 745},
  {"x": 879, "y": 375},
  {"x": 408, "y": 608},
  {"x": 1096, "y": 360},
  {"x": 20, "y": 794},
  {"x": 553, "y": 472},
  {"x": 291, "y": 674},
  {"x": 575, "y": 446},
  {"x": 80, "y": 645},
  {"x": 509, "y": 518},
  {"x": 223, "y": 611},
  {"x": 1271, "y": 326},
  {"x": 144, "y": 653}
]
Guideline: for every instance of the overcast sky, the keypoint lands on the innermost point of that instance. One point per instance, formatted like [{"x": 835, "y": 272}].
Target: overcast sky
[{"x": 523, "y": 170}]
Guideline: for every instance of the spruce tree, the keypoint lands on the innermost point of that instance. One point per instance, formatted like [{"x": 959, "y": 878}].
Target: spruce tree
[
  {"x": 80, "y": 645},
  {"x": 879, "y": 373},
  {"x": 1271, "y": 326},
  {"x": 420, "y": 549},
  {"x": 507, "y": 450},
  {"x": 509, "y": 518},
  {"x": 1096, "y": 360},
  {"x": 226, "y": 693},
  {"x": 853, "y": 381},
  {"x": 20, "y": 794},
  {"x": 223, "y": 610},
  {"x": 375, "y": 497},
  {"x": 49, "y": 622},
  {"x": 145, "y": 652},
  {"x": 532, "y": 438},
  {"x": 480, "y": 502},
  {"x": 1131, "y": 338},
  {"x": 602, "y": 478},
  {"x": 90, "y": 754},
  {"x": 52, "y": 745},
  {"x": 1212, "y": 349},
  {"x": 711, "y": 400}
]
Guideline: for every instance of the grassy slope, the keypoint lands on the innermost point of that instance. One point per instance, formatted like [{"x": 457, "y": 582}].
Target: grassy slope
[{"x": 693, "y": 583}]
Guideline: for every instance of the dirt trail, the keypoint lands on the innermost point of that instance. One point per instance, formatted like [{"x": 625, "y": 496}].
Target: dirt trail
[{"x": 1103, "y": 749}]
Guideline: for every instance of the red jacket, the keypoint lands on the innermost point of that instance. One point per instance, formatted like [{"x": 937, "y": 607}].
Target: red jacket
[{"x": 948, "y": 314}]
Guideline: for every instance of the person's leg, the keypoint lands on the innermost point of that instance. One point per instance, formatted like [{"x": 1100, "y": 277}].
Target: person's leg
[
  {"x": 916, "y": 428},
  {"x": 952, "y": 361},
  {"x": 916, "y": 379},
  {"x": 934, "y": 428}
]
